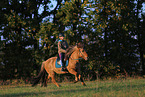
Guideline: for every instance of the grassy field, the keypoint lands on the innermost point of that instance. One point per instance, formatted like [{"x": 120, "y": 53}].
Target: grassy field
[{"x": 107, "y": 88}]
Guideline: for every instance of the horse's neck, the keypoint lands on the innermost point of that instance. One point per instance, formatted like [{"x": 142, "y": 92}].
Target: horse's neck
[{"x": 74, "y": 56}]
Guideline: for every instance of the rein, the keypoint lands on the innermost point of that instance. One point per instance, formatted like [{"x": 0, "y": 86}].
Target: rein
[{"x": 78, "y": 58}]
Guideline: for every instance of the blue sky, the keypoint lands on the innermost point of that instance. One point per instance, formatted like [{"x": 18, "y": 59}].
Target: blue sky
[
  {"x": 51, "y": 6},
  {"x": 143, "y": 7}
]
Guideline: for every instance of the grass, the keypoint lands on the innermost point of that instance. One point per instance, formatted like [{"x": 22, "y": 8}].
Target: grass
[{"x": 107, "y": 88}]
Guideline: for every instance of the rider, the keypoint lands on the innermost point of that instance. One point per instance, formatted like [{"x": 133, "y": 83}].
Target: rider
[{"x": 62, "y": 46}]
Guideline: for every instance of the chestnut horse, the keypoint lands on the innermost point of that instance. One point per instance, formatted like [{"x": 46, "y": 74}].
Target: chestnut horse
[{"x": 73, "y": 68}]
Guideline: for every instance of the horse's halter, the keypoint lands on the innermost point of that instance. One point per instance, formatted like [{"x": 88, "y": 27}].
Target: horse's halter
[{"x": 79, "y": 54}]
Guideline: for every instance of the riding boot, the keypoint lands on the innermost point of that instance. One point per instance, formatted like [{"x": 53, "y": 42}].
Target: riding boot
[{"x": 63, "y": 66}]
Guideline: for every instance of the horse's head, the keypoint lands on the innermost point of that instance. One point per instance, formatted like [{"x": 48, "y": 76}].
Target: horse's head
[{"x": 82, "y": 52}]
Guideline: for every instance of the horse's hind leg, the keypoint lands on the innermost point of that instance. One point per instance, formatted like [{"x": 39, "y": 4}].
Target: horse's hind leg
[
  {"x": 53, "y": 79},
  {"x": 46, "y": 80}
]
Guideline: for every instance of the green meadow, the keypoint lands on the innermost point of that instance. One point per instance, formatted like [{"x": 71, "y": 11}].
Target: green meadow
[{"x": 98, "y": 88}]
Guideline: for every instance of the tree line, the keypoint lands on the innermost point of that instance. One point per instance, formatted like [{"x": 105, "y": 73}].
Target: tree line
[{"x": 112, "y": 30}]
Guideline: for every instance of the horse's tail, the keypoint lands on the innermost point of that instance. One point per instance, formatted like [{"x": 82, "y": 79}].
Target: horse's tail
[{"x": 36, "y": 79}]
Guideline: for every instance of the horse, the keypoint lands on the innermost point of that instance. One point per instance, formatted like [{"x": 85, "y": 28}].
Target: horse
[{"x": 73, "y": 68}]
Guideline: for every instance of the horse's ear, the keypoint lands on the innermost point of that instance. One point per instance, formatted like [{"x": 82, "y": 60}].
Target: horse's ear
[{"x": 80, "y": 45}]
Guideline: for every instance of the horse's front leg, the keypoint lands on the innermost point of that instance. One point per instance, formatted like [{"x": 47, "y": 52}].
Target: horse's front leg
[
  {"x": 72, "y": 71},
  {"x": 81, "y": 79},
  {"x": 79, "y": 74}
]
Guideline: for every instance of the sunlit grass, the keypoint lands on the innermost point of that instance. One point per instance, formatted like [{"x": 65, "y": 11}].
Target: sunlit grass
[{"x": 107, "y": 88}]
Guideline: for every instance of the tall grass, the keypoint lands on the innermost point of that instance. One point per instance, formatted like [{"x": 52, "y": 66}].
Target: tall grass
[{"x": 107, "y": 88}]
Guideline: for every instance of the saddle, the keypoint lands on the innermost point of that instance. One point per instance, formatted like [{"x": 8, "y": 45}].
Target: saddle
[{"x": 57, "y": 63}]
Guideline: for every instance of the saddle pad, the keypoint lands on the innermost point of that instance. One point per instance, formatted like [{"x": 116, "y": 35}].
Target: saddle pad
[{"x": 57, "y": 64}]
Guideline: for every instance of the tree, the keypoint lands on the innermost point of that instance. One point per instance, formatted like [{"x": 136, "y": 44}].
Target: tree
[
  {"x": 142, "y": 43},
  {"x": 140, "y": 35},
  {"x": 20, "y": 24}
]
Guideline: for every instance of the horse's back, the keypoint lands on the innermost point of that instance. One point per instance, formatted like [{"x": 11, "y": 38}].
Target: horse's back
[
  {"x": 50, "y": 66},
  {"x": 50, "y": 62}
]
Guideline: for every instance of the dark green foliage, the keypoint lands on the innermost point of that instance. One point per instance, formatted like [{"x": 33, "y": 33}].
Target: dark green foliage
[{"x": 112, "y": 30}]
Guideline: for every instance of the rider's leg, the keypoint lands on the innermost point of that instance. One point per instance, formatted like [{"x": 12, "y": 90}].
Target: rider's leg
[
  {"x": 61, "y": 55},
  {"x": 65, "y": 58}
]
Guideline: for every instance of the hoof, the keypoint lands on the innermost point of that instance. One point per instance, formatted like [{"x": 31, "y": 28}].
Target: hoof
[
  {"x": 84, "y": 84},
  {"x": 75, "y": 81},
  {"x": 58, "y": 85}
]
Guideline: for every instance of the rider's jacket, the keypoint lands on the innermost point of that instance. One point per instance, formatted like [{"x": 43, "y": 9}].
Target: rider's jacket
[{"x": 62, "y": 46}]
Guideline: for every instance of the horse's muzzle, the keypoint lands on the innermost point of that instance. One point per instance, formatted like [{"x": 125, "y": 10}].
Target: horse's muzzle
[{"x": 86, "y": 58}]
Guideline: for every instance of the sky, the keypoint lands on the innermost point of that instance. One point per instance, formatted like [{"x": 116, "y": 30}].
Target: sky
[
  {"x": 143, "y": 7},
  {"x": 51, "y": 6}
]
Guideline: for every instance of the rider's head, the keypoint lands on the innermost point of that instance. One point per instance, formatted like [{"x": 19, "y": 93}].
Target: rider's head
[
  {"x": 80, "y": 45},
  {"x": 61, "y": 36}
]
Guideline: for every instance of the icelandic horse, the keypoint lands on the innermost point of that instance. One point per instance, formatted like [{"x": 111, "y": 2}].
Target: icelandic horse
[{"x": 73, "y": 68}]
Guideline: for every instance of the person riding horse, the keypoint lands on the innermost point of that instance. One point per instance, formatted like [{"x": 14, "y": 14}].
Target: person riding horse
[
  {"x": 62, "y": 46},
  {"x": 64, "y": 50}
]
